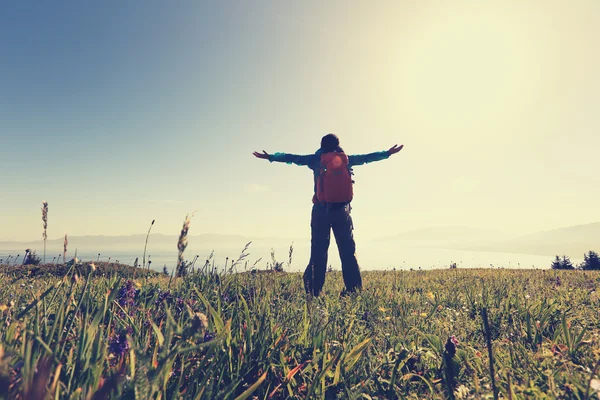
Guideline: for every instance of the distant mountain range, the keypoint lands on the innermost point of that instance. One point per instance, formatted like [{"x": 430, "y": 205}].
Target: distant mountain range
[
  {"x": 447, "y": 236},
  {"x": 573, "y": 241},
  {"x": 157, "y": 241}
]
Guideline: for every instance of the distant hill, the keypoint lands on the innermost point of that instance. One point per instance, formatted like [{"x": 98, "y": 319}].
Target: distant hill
[
  {"x": 573, "y": 241},
  {"x": 446, "y": 237},
  {"x": 156, "y": 240},
  {"x": 162, "y": 248}
]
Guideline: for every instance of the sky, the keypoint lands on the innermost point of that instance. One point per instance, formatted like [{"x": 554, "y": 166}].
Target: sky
[{"x": 118, "y": 113}]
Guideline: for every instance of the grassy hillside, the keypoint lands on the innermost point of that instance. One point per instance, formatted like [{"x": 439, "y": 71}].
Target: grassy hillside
[{"x": 407, "y": 335}]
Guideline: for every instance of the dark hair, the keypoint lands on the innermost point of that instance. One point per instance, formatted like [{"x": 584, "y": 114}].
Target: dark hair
[{"x": 330, "y": 142}]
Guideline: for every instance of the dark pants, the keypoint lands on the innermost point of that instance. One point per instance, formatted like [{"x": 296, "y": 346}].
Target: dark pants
[{"x": 322, "y": 221}]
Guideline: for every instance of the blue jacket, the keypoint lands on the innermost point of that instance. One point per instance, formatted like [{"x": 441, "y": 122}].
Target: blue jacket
[{"x": 313, "y": 161}]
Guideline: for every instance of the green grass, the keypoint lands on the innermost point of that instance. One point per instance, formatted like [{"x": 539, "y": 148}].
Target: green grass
[{"x": 259, "y": 336}]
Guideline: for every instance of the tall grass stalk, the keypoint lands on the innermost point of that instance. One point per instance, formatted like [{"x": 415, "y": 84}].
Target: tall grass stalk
[
  {"x": 290, "y": 255},
  {"x": 45, "y": 224},
  {"x": 592, "y": 374},
  {"x": 145, "y": 246},
  {"x": 194, "y": 262},
  {"x": 181, "y": 245},
  {"x": 235, "y": 336},
  {"x": 65, "y": 244},
  {"x": 77, "y": 307},
  {"x": 240, "y": 259},
  {"x": 488, "y": 339}
]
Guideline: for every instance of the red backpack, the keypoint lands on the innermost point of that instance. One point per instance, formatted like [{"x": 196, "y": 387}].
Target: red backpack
[{"x": 334, "y": 183}]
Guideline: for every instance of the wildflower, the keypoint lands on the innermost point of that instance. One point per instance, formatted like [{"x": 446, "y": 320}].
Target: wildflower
[
  {"x": 451, "y": 345},
  {"x": 226, "y": 298},
  {"x": 454, "y": 340},
  {"x": 439, "y": 308},
  {"x": 179, "y": 304},
  {"x": 127, "y": 294},
  {"x": 119, "y": 344},
  {"x": 461, "y": 392},
  {"x": 208, "y": 336},
  {"x": 423, "y": 314},
  {"x": 163, "y": 296},
  {"x": 527, "y": 296},
  {"x": 200, "y": 321},
  {"x": 430, "y": 296}
]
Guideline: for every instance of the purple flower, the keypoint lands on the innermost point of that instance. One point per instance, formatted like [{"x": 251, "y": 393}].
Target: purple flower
[
  {"x": 179, "y": 304},
  {"x": 127, "y": 294},
  {"x": 163, "y": 296},
  {"x": 208, "y": 336},
  {"x": 118, "y": 344}
]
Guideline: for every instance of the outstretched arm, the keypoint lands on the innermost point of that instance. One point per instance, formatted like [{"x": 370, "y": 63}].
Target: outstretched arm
[
  {"x": 361, "y": 159},
  {"x": 286, "y": 158}
]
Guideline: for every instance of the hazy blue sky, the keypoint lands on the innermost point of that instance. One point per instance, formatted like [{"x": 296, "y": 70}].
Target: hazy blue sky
[{"x": 120, "y": 112}]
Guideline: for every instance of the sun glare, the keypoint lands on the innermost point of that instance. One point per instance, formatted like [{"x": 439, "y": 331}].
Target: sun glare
[{"x": 459, "y": 64}]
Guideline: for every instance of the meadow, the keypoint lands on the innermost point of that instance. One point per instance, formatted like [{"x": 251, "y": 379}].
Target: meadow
[{"x": 106, "y": 331}]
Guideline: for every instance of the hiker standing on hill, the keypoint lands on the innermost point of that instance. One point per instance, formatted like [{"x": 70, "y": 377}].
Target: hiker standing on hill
[{"x": 333, "y": 193}]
